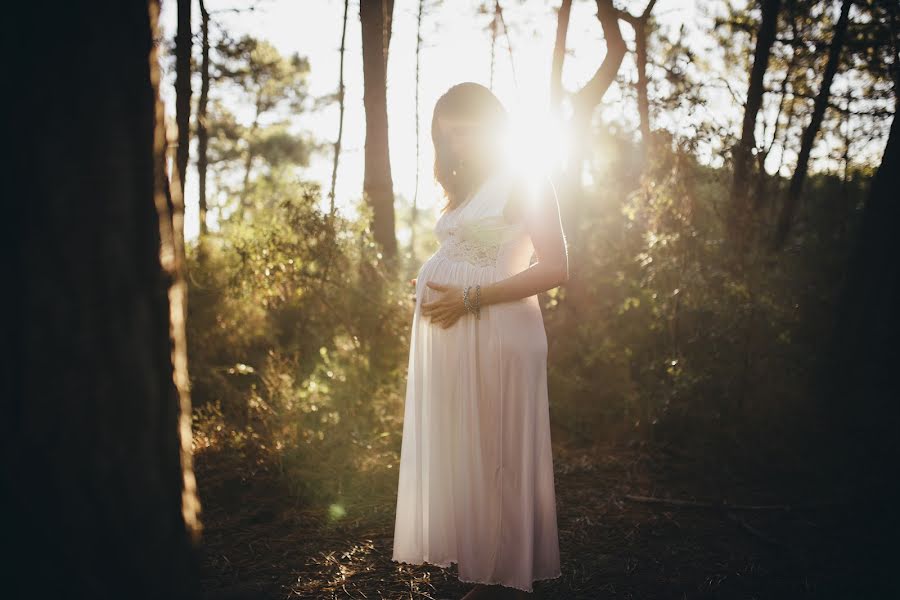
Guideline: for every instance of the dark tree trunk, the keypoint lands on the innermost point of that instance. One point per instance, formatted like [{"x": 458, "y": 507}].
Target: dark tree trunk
[
  {"x": 859, "y": 377},
  {"x": 559, "y": 53},
  {"x": 96, "y": 479},
  {"x": 584, "y": 103},
  {"x": 643, "y": 100},
  {"x": 809, "y": 134},
  {"x": 786, "y": 102},
  {"x": 183, "y": 90},
  {"x": 743, "y": 153},
  {"x": 202, "y": 130},
  {"x": 378, "y": 184},
  {"x": 589, "y": 97},
  {"x": 639, "y": 24}
]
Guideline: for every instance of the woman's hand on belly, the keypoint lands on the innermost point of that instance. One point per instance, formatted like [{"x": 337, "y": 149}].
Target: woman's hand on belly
[{"x": 448, "y": 307}]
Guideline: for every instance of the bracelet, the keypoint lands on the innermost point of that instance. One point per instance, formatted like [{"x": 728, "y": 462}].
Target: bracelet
[
  {"x": 476, "y": 308},
  {"x": 478, "y": 302}
]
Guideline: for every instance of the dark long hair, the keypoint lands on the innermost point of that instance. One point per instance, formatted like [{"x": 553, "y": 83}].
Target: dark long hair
[{"x": 459, "y": 175}]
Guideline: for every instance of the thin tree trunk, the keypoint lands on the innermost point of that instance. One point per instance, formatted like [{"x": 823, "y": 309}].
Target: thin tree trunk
[
  {"x": 643, "y": 101},
  {"x": 762, "y": 181},
  {"x": 639, "y": 24},
  {"x": 95, "y": 468},
  {"x": 559, "y": 54},
  {"x": 183, "y": 89},
  {"x": 248, "y": 160},
  {"x": 740, "y": 211},
  {"x": 414, "y": 215},
  {"x": 378, "y": 185},
  {"x": 202, "y": 130},
  {"x": 809, "y": 134},
  {"x": 494, "y": 28},
  {"x": 340, "y": 135},
  {"x": 509, "y": 47}
]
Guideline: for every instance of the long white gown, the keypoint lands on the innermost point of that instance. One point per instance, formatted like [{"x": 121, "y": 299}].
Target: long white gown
[{"x": 476, "y": 471}]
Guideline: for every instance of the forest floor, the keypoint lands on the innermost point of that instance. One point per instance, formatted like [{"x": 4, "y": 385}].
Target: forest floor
[{"x": 794, "y": 537}]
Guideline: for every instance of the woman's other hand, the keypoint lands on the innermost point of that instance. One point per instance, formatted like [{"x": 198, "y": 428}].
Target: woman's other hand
[{"x": 448, "y": 307}]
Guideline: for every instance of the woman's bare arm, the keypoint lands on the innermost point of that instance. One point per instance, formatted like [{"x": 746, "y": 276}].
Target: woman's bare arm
[{"x": 540, "y": 212}]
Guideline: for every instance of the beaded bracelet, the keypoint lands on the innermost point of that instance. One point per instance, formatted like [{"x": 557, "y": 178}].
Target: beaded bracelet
[{"x": 476, "y": 308}]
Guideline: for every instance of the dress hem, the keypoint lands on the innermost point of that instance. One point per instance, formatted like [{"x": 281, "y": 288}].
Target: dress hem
[{"x": 485, "y": 582}]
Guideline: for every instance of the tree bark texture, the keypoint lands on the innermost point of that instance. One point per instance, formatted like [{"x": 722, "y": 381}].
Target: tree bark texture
[
  {"x": 858, "y": 380},
  {"x": 378, "y": 185},
  {"x": 183, "y": 41},
  {"x": 96, "y": 480}
]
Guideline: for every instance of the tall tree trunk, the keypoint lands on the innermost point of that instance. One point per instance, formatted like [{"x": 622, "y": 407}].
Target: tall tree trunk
[
  {"x": 809, "y": 134},
  {"x": 559, "y": 54},
  {"x": 414, "y": 215},
  {"x": 584, "y": 103},
  {"x": 340, "y": 135},
  {"x": 785, "y": 100},
  {"x": 739, "y": 213},
  {"x": 639, "y": 24},
  {"x": 858, "y": 379},
  {"x": 183, "y": 89},
  {"x": 248, "y": 159},
  {"x": 378, "y": 185},
  {"x": 202, "y": 130},
  {"x": 96, "y": 475},
  {"x": 640, "y": 33}
]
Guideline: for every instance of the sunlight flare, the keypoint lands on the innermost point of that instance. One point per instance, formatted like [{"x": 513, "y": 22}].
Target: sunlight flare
[{"x": 537, "y": 144}]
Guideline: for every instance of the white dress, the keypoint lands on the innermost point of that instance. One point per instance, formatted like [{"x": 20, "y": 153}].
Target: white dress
[{"x": 476, "y": 471}]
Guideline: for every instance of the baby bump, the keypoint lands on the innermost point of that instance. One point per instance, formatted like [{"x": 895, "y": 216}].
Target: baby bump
[{"x": 439, "y": 270}]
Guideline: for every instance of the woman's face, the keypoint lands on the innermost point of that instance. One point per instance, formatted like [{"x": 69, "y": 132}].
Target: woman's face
[{"x": 465, "y": 138}]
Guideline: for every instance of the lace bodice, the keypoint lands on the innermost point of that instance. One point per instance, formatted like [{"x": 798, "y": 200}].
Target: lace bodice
[{"x": 479, "y": 241}]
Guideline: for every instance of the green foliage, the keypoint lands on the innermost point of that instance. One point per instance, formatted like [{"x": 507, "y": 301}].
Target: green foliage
[
  {"x": 269, "y": 90},
  {"x": 288, "y": 305},
  {"x": 278, "y": 318},
  {"x": 673, "y": 336},
  {"x": 257, "y": 70}
]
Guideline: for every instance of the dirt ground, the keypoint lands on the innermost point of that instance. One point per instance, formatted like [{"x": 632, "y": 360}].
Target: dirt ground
[{"x": 635, "y": 522}]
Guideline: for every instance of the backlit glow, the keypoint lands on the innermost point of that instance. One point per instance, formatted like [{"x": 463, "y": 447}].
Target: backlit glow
[{"x": 537, "y": 145}]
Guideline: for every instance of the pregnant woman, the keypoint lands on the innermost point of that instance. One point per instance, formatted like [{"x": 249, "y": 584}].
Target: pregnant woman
[{"x": 476, "y": 470}]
